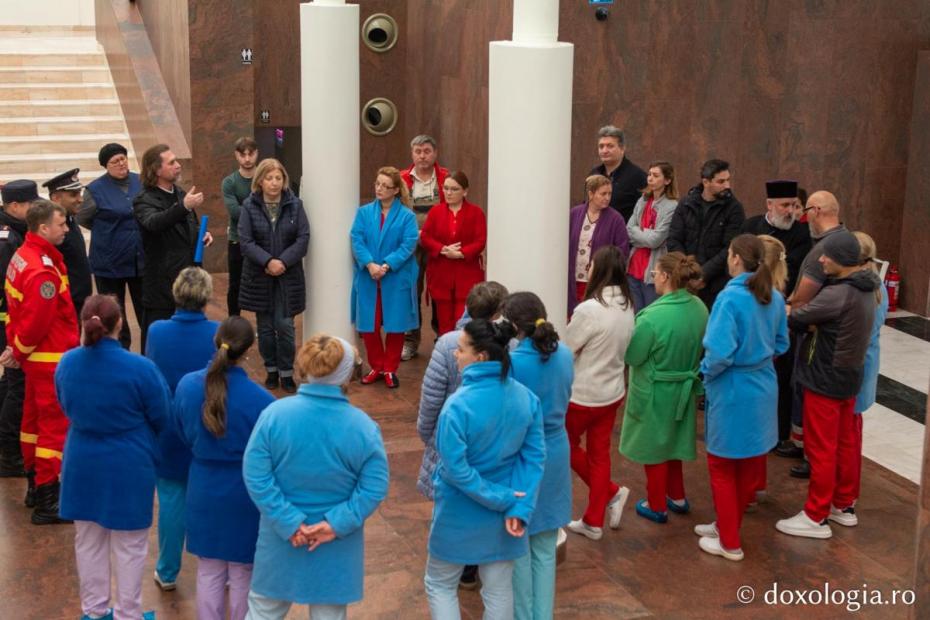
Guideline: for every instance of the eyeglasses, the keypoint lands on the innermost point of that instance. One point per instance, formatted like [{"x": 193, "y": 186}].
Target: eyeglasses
[
  {"x": 806, "y": 209},
  {"x": 380, "y": 185},
  {"x": 120, "y": 160}
]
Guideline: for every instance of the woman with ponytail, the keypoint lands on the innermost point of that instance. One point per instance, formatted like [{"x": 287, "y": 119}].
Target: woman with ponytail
[
  {"x": 492, "y": 454},
  {"x": 215, "y": 410},
  {"x": 544, "y": 365},
  {"x": 116, "y": 403},
  {"x": 598, "y": 335},
  {"x": 659, "y": 422},
  {"x": 746, "y": 330},
  {"x": 316, "y": 468}
]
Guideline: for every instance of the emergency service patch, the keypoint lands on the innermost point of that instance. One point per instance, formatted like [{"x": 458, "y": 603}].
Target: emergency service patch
[
  {"x": 47, "y": 290},
  {"x": 47, "y": 261},
  {"x": 4, "y": 234}
]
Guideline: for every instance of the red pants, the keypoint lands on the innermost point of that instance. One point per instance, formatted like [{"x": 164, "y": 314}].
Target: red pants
[
  {"x": 833, "y": 447},
  {"x": 42, "y": 434},
  {"x": 448, "y": 312},
  {"x": 580, "y": 288},
  {"x": 733, "y": 484},
  {"x": 383, "y": 357},
  {"x": 592, "y": 463},
  {"x": 664, "y": 480},
  {"x": 857, "y": 481}
]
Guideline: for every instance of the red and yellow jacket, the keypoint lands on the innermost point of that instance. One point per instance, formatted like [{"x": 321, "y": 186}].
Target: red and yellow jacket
[{"x": 42, "y": 321}]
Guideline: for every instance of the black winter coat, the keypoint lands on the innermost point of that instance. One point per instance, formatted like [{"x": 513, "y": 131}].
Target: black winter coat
[
  {"x": 260, "y": 242},
  {"x": 706, "y": 232},
  {"x": 12, "y": 234},
  {"x": 169, "y": 237},
  {"x": 74, "y": 252}
]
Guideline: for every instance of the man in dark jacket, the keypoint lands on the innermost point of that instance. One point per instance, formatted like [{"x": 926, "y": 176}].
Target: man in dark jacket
[
  {"x": 626, "y": 178},
  {"x": 65, "y": 191},
  {"x": 169, "y": 227},
  {"x": 17, "y": 198},
  {"x": 838, "y": 322},
  {"x": 779, "y": 221},
  {"x": 705, "y": 222}
]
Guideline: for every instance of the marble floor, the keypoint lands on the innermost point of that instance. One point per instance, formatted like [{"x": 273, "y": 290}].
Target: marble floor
[{"x": 641, "y": 570}]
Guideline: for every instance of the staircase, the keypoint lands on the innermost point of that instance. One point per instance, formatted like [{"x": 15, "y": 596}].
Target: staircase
[{"x": 58, "y": 105}]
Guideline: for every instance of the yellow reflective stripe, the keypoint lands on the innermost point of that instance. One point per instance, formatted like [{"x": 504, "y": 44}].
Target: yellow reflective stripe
[
  {"x": 22, "y": 348},
  {"x": 45, "y": 453},
  {"x": 28, "y": 437},
  {"x": 40, "y": 356},
  {"x": 65, "y": 283},
  {"x": 4, "y": 317},
  {"x": 11, "y": 290}
]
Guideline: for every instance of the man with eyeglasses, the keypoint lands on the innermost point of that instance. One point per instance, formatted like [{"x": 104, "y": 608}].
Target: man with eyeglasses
[
  {"x": 823, "y": 217},
  {"x": 116, "y": 257},
  {"x": 424, "y": 179}
]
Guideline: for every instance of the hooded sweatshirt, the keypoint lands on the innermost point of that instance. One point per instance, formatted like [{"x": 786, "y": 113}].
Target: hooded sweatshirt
[{"x": 833, "y": 353}]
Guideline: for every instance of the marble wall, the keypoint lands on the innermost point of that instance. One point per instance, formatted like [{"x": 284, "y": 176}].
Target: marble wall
[
  {"x": 915, "y": 231},
  {"x": 170, "y": 41}
]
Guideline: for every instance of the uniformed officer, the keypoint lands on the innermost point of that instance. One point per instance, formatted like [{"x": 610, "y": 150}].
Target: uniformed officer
[
  {"x": 42, "y": 326},
  {"x": 65, "y": 191},
  {"x": 17, "y": 197}
]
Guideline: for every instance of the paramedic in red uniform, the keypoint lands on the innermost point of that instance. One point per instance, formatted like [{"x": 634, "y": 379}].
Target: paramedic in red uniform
[{"x": 41, "y": 328}]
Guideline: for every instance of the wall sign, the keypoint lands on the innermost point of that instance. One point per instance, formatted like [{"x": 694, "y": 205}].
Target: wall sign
[
  {"x": 246, "y": 55},
  {"x": 265, "y": 116}
]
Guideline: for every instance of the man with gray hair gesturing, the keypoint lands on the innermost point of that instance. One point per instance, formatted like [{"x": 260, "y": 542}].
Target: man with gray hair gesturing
[{"x": 626, "y": 178}]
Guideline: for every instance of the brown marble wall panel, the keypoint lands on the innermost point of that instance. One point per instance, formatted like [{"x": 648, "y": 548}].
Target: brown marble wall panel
[
  {"x": 167, "y": 25},
  {"x": 148, "y": 110},
  {"x": 915, "y": 231},
  {"x": 222, "y": 99},
  {"x": 277, "y": 61},
  {"x": 921, "y": 608}
]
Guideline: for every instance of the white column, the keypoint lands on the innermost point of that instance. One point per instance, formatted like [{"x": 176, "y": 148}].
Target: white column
[
  {"x": 329, "y": 110},
  {"x": 529, "y": 157}
]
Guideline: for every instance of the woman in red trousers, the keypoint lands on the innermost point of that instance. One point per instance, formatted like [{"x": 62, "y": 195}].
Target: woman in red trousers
[{"x": 453, "y": 236}]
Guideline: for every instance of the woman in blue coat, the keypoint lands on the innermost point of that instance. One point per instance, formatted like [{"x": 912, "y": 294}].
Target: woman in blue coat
[
  {"x": 545, "y": 366},
  {"x": 179, "y": 345},
  {"x": 492, "y": 453},
  {"x": 216, "y": 409},
  {"x": 384, "y": 288},
  {"x": 108, "y": 467},
  {"x": 316, "y": 468},
  {"x": 274, "y": 233},
  {"x": 747, "y": 328}
]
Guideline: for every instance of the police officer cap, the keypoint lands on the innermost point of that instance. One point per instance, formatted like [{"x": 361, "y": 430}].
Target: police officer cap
[
  {"x": 21, "y": 190},
  {"x": 64, "y": 182},
  {"x": 781, "y": 189},
  {"x": 107, "y": 151}
]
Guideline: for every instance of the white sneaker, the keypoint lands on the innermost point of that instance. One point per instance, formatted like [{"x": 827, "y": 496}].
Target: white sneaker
[
  {"x": 713, "y": 547},
  {"x": 408, "y": 353},
  {"x": 165, "y": 586},
  {"x": 846, "y": 517},
  {"x": 615, "y": 507},
  {"x": 802, "y": 525},
  {"x": 580, "y": 527},
  {"x": 708, "y": 530},
  {"x": 561, "y": 537}
]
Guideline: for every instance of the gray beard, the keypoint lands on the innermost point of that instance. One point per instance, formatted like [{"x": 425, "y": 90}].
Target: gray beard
[{"x": 781, "y": 223}]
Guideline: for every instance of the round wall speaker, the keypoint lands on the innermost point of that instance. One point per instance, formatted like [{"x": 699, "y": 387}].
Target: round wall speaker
[
  {"x": 379, "y": 32},
  {"x": 379, "y": 116}
]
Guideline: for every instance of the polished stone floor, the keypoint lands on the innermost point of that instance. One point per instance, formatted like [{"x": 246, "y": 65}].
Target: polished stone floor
[{"x": 640, "y": 570}]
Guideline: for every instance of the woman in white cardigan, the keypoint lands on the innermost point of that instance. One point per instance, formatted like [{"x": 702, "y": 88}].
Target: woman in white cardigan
[
  {"x": 648, "y": 230},
  {"x": 598, "y": 334}
]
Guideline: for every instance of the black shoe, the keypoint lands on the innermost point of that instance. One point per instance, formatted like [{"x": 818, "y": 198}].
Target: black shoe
[
  {"x": 271, "y": 381},
  {"x": 30, "y": 499},
  {"x": 11, "y": 463},
  {"x": 46, "y": 510},
  {"x": 391, "y": 380},
  {"x": 469, "y": 579},
  {"x": 789, "y": 450},
  {"x": 801, "y": 470},
  {"x": 288, "y": 385}
]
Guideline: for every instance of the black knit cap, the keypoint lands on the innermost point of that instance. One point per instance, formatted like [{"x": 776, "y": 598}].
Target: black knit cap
[
  {"x": 781, "y": 189},
  {"x": 109, "y": 150},
  {"x": 842, "y": 248}
]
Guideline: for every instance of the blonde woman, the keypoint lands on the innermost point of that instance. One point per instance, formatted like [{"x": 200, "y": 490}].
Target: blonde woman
[{"x": 273, "y": 235}]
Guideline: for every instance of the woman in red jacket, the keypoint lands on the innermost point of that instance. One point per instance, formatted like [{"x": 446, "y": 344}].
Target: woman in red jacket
[{"x": 453, "y": 236}]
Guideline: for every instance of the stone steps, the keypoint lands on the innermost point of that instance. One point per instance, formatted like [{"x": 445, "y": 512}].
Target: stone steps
[
  {"x": 54, "y": 74},
  {"x": 56, "y": 91}
]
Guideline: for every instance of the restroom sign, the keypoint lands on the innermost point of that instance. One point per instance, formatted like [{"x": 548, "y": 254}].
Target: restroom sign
[
  {"x": 265, "y": 116},
  {"x": 246, "y": 55}
]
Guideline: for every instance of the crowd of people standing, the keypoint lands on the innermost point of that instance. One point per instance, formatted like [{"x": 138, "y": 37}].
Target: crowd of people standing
[{"x": 677, "y": 304}]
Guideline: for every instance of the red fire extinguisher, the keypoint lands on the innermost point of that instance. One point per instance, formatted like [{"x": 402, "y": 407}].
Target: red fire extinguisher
[{"x": 893, "y": 284}]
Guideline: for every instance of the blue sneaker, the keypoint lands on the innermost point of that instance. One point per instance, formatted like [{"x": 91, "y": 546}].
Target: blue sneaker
[
  {"x": 148, "y": 615},
  {"x": 681, "y": 509},
  {"x": 108, "y": 616},
  {"x": 643, "y": 510}
]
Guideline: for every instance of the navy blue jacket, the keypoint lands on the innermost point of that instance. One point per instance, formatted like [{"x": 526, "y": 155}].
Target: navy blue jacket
[
  {"x": 115, "y": 242},
  {"x": 182, "y": 344},
  {"x": 260, "y": 242}
]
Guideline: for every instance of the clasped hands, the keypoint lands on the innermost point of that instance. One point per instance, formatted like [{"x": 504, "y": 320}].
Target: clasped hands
[
  {"x": 452, "y": 251},
  {"x": 377, "y": 271},
  {"x": 312, "y": 536},
  {"x": 514, "y": 525},
  {"x": 275, "y": 267}
]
